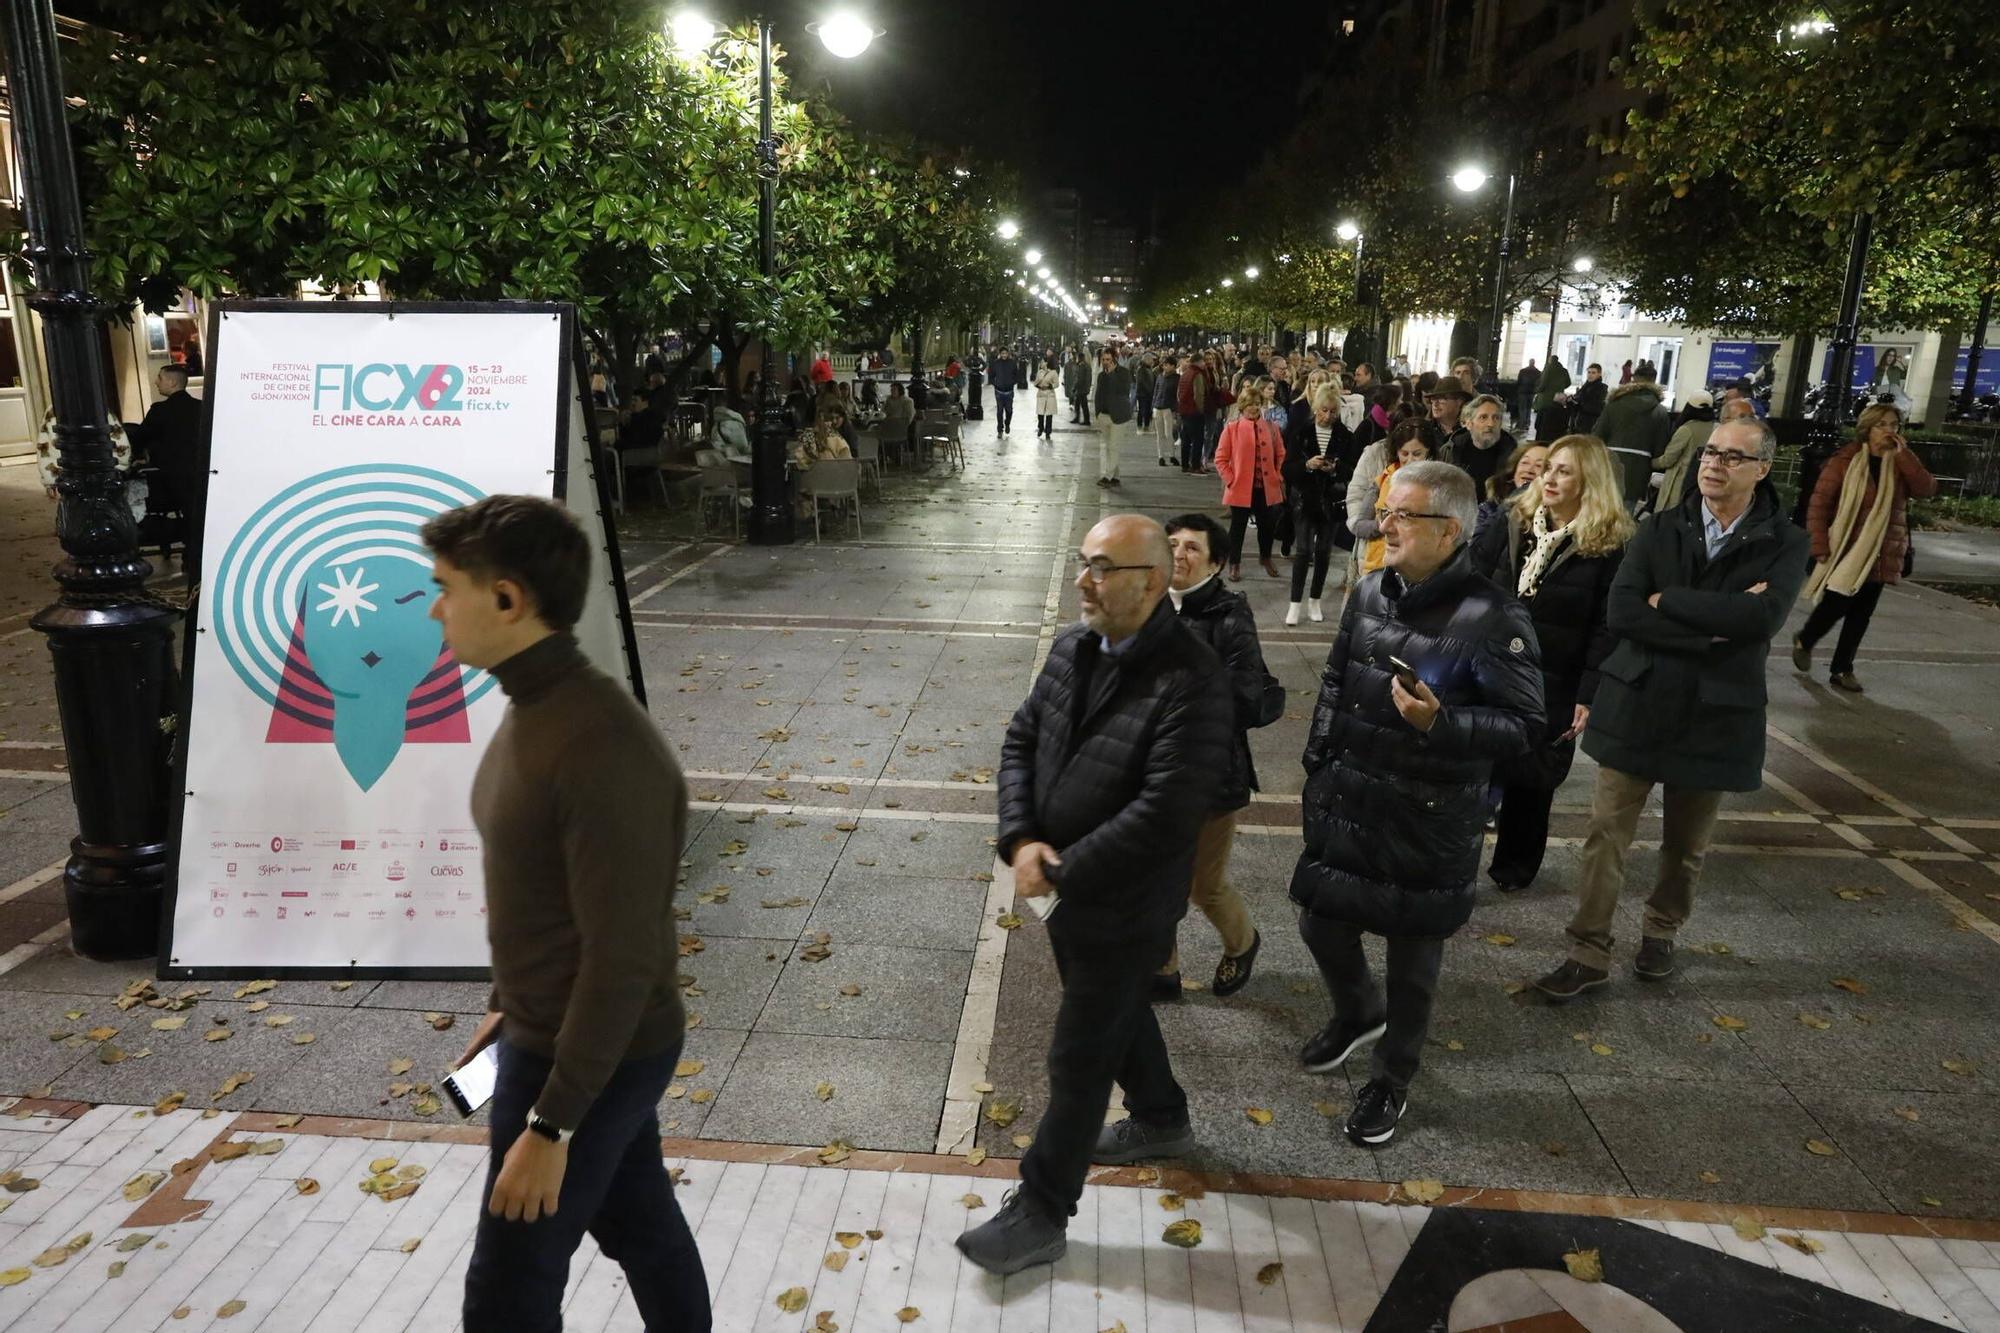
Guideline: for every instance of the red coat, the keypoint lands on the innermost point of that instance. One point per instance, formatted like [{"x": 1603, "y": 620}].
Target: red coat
[
  {"x": 1247, "y": 450},
  {"x": 822, "y": 371},
  {"x": 1912, "y": 478}
]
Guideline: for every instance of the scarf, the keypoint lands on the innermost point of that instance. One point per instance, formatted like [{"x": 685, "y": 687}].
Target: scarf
[
  {"x": 1547, "y": 542},
  {"x": 1853, "y": 550}
]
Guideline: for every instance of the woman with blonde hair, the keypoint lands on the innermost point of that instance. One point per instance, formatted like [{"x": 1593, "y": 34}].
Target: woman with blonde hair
[
  {"x": 1556, "y": 545},
  {"x": 1860, "y": 527},
  {"x": 1249, "y": 458}
]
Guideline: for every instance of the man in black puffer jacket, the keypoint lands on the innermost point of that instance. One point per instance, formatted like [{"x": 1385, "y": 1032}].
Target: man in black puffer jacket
[
  {"x": 1396, "y": 777},
  {"x": 1106, "y": 775},
  {"x": 1223, "y": 620}
]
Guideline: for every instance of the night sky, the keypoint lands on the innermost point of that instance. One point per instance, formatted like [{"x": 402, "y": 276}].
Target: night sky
[{"x": 1135, "y": 104}]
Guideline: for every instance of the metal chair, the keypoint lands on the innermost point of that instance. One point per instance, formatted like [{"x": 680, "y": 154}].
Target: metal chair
[
  {"x": 833, "y": 479},
  {"x": 718, "y": 482},
  {"x": 868, "y": 453}
]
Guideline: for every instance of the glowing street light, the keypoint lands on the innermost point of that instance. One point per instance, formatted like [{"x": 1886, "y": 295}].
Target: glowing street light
[
  {"x": 1042, "y": 273},
  {"x": 1009, "y": 229},
  {"x": 1229, "y": 282},
  {"x": 1033, "y": 256},
  {"x": 1583, "y": 264},
  {"x": 691, "y": 32},
  {"x": 1469, "y": 178},
  {"x": 846, "y": 34},
  {"x": 1348, "y": 230},
  {"x": 1251, "y": 273}
]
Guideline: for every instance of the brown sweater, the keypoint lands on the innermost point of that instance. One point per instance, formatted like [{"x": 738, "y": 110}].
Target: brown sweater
[{"x": 581, "y": 811}]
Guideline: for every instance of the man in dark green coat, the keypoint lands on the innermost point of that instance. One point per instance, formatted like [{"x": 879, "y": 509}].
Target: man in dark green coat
[
  {"x": 1703, "y": 588},
  {"x": 1635, "y": 427}
]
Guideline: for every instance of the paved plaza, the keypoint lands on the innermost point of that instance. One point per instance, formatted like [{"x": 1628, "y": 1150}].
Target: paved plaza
[{"x": 1828, "y": 1062}]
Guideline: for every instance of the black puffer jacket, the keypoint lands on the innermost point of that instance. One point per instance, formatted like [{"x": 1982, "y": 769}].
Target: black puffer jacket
[
  {"x": 1681, "y": 698},
  {"x": 1569, "y": 611},
  {"x": 1112, "y": 761},
  {"x": 1393, "y": 816},
  {"x": 1224, "y": 621}
]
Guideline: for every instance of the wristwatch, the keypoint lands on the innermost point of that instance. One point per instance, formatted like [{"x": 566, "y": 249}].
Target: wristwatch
[{"x": 539, "y": 1124}]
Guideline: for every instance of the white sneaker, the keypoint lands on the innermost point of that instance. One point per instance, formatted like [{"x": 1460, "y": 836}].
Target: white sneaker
[
  {"x": 1292, "y": 613},
  {"x": 1313, "y": 611}
]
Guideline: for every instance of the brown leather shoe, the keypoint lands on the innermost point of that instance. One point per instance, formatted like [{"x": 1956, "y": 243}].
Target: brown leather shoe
[
  {"x": 1270, "y": 568},
  {"x": 1844, "y": 680}
]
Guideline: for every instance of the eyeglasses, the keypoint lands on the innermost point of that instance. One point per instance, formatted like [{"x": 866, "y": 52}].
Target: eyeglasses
[
  {"x": 1385, "y": 516},
  {"x": 1729, "y": 458},
  {"x": 1101, "y": 569}
]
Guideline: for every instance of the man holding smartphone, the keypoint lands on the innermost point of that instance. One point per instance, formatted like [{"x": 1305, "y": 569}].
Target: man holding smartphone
[{"x": 581, "y": 810}]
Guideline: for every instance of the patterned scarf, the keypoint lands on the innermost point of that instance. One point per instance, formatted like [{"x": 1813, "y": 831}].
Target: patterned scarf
[{"x": 1547, "y": 542}]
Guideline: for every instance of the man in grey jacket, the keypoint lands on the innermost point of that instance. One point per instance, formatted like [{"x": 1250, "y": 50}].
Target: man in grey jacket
[{"x": 1114, "y": 413}]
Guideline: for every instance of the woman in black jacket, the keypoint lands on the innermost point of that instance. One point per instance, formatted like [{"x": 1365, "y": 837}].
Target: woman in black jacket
[
  {"x": 1319, "y": 455},
  {"x": 1556, "y": 546}
]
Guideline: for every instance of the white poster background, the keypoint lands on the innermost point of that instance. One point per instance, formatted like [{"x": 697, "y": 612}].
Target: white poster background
[{"x": 285, "y": 860}]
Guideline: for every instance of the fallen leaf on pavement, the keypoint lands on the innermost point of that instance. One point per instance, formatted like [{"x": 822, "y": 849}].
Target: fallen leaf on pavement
[
  {"x": 833, "y": 1154},
  {"x": 688, "y": 1068},
  {"x": 972, "y": 1201},
  {"x": 1850, "y": 985},
  {"x": 1584, "y": 1265},
  {"x": 217, "y": 1034},
  {"x": 1185, "y": 1233},
  {"x": 1422, "y": 1191},
  {"x": 1908, "y": 1113},
  {"x": 1599, "y": 1048},
  {"x": 975, "y": 1157},
  {"x": 1709, "y": 1178},
  {"x": 306, "y": 1185},
  {"x": 441, "y": 1022},
  {"x": 174, "y": 1024},
  {"x": 230, "y": 1309},
  {"x": 1803, "y": 1244},
  {"x": 1815, "y": 1022},
  {"x": 909, "y": 1314},
  {"x": 116, "y": 1270},
  {"x": 702, "y": 1095},
  {"x": 1172, "y": 1202},
  {"x": 835, "y": 1261},
  {"x": 847, "y": 1240},
  {"x": 139, "y": 1186},
  {"x": 850, "y": 990},
  {"x": 59, "y": 1254},
  {"x": 1023, "y": 1140},
  {"x": 1962, "y": 1068},
  {"x": 1268, "y": 1275},
  {"x": 1003, "y": 1113},
  {"x": 138, "y": 1240},
  {"x": 14, "y": 1277},
  {"x": 824, "y": 1092},
  {"x": 401, "y": 1065},
  {"x": 1008, "y": 921},
  {"x": 1729, "y": 1023},
  {"x": 1258, "y": 1115},
  {"x": 1821, "y": 1148},
  {"x": 1502, "y": 941},
  {"x": 287, "y": 1121},
  {"x": 250, "y": 988}
]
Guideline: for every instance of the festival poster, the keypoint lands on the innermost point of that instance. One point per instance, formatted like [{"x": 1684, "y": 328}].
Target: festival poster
[{"x": 332, "y": 738}]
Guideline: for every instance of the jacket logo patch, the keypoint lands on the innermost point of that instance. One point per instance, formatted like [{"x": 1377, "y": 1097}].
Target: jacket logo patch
[{"x": 1515, "y": 645}]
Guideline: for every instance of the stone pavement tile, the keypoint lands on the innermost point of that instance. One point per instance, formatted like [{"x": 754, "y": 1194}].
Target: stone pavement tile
[
  {"x": 887, "y": 1094},
  {"x": 912, "y": 911},
  {"x": 346, "y": 1071},
  {"x": 906, "y": 994},
  {"x": 908, "y": 847},
  {"x": 735, "y": 977},
  {"x": 1494, "y": 1126},
  {"x": 1653, "y": 1030},
  {"x": 25, "y": 918},
  {"x": 713, "y": 749},
  {"x": 17, "y": 792},
  {"x": 883, "y": 683},
  {"x": 28, "y": 1059},
  {"x": 716, "y": 1049},
  {"x": 1899, "y": 1045},
  {"x": 183, "y": 1060},
  {"x": 742, "y": 914},
  {"x": 867, "y": 718},
  {"x": 1664, "y": 1132},
  {"x": 845, "y": 758},
  {"x": 723, "y": 710},
  {"x": 52, "y": 811},
  {"x": 1950, "y": 1152},
  {"x": 800, "y": 850},
  {"x": 932, "y": 759},
  {"x": 455, "y": 997},
  {"x": 25, "y": 851}
]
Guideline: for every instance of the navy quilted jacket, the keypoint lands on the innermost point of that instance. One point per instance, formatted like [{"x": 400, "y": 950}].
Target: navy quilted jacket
[
  {"x": 1393, "y": 816},
  {"x": 1113, "y": 760}
]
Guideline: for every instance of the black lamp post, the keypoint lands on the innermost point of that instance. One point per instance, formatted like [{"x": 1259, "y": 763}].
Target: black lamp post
[
  {"x": 1823, "y": 436},
  {"x": 844, "y": 36},
  {"x": 1469, "y": 179},
  {"x": 111, "y": 642}
]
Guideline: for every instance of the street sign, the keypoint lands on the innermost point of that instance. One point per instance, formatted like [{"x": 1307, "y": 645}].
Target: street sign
[{"x": 331, "y": 738}]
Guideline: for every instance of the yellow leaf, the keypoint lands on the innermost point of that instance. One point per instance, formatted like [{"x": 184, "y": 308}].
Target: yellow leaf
[
  {"x": 1599, "y": 1048},
  {"x": 14, "y": 1277},
  {"x": 1023, "y": 1140},
  {"x": 139, "y": 1186},
  {"x": 174, "y": 1024},
  {"x": 1815, "y": 1022},
  {"x": 701, "y": 1096},
  {"x": 410, "y": 1246},
  {"x": 1422, "y": 1191},
  {"x": 909, "y": 1314},
  {"x": 1729, "y": 1023},
  {"x": 287, "y": 1121},
  {"x": 1327, "y": 1109},
  {"x": 401, "y": 1065},
  {"x": 1258, "y": 1115},
  {"x": 1710, "y": 1178},
  {"x": 169, "y": 1103},
  {"x": 1502, "y": 941},
  {"x": 306, "y": 1185},
  {"x": 792, "y": 1300},
  {"x": 824, "y": 1092},
  {"x": 835, "y": 1261},
  {"x": 972, "y": 1201},
  {"x": 280, "y": 1020},
  {"x": 1962, "y": 1068},
  {"x": 1268, "y": 1275},
  {"x": 1908, "y": 1113},
  {"x": 1850, "y": 985},
  {"x": 1803, "y": 1244},
  {"x": 975, "y": 1157},
  {"x": 833, "y": 1154},
  {"x": 1003, "y": 1113},
  {"x": 1008, "y": 921},
  {"x": 1821, "y": 1148},
  {"x": 1185, "y": 1233},
  {"x": 217, "y": 1034},
  {"x": 381, "y": 1164},
  {"x": 1584, "y": 1265},
  {"x": 1172, "y": 1202},
  {"x": 847, "y": 1240}
]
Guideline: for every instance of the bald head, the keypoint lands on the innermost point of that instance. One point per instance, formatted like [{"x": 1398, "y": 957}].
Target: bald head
[
  {"x": 1134, "y": 539},
  {"x": 1137, "y": 563}
]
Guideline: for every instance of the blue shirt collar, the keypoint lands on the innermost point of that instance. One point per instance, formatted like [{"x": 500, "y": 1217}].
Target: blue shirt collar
[{"x": 1712, "y": 529}]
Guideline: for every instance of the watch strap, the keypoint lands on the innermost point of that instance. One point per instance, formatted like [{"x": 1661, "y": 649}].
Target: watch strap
[{"x": 546, "y": 1128}]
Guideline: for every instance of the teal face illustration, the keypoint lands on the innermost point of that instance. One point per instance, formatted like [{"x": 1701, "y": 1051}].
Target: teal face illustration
[{"x": 370, "y": 639}]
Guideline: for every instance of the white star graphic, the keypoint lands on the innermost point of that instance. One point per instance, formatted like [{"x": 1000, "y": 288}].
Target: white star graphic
[{"x": 347, "y": 599}]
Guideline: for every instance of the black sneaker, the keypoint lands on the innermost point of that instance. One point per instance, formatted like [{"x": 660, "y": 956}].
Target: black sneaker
[
  {"x": 1163, "y": 462},
  {"x": 1509, "y": 885},
  {"x": 1571, "y": 980},
  {"x": 1656, "y": 959},
  {"x": 1233, "y": 974},
  {"x": 1376, "y": 1113},
  {"x": 1166, "y": 987},
  {"x": 1132, "y": 1140},
  {"x": 1330, "y": 1047},
  {"x": 1801, "y": 655},
  {"x": 1019, "y": 1236}
]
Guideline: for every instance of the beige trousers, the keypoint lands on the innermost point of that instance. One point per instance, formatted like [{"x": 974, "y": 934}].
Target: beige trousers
[
  {"x": 1615, "y": 807},
  {"x": 1211, "y": 891}
]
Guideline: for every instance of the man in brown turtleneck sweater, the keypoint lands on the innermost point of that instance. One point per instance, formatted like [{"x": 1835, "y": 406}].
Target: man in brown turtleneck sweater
[{"x": 581, "y": 811}]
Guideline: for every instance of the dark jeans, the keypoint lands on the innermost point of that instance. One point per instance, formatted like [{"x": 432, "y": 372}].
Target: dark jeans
[
  {"x": 1079, "y": 411},
  {"x": 1143, "y": 413},
  {"x": 1003, "y": 408},
  {"x": 1412, "y": 980},
  {"x": 1522, "y": 830},
  {"x": 1853, "y": 613},
  {"x": 1045, "y": 426},
  {"x": 615, "y": 1187},
  {"x": 1194, "y": 434},
  {"x": 1312, "y": 539},
  {"x": 1239, "y": 522},
  {"x": 1104, "y": 1030}
]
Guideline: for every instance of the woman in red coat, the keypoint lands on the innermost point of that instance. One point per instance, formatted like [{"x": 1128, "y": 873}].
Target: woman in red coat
[
  {"x": 1860, "y": 527},
  {"x": 1249, "y": 459}
]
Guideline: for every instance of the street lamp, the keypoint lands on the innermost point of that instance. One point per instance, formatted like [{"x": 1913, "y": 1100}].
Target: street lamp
[
  {"x": 1583, "y": 264},
  {"x": 1467, "y": 179},
  {"x": 1348, "y": 230},
  {"x": 1251, "y": 273},
  {"x": 1008, "y": 229},
  {"x": 845, "y": 35},
  {"x": 111, "y": 643}
]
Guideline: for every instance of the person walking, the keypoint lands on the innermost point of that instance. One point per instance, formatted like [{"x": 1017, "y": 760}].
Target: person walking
[
  {"x": 1555, "y": 545},
  {"x": 1588, "y": 402},
  {"x": 1318, "y": 451},
  {"x": 1702, "y": 590},
  {"x": 1197, "y": 402},
  {"x": 1860, "y": 528},
  {"x": 582, "y": 814},
  {"x": 1250, "y": 462},
  {"x": 1166, "y": 421},
  {"x": 1145, "y": 375},
  {"x": 1004, "y": 374},
  {"x": 1114, "y": 413},
  {"x": 1223, "y": 620},
  {"x": 1636, "y": 427},
  {"x": 1046, "y": 380},
  {"x": 1526, "y": 382},
  {"x": 1432, "y": 679},
  {"x": 1105, "y": 779},
  {"x": 1076, "y": 387}
]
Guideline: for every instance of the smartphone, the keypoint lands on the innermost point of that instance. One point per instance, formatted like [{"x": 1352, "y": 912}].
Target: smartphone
[
  {"x": 470, "y": 1086},
  {"x": 1406, "y": 675}
]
